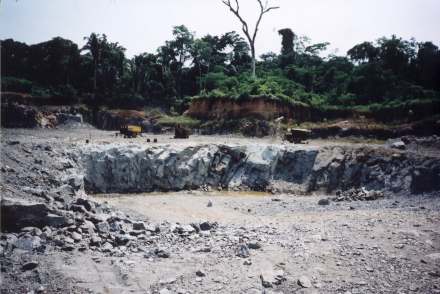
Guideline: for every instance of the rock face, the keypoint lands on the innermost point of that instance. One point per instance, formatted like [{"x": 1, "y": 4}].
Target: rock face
[
  {"x": 19, "y": 116},
  {"x": 15, "y": 115},
  {"x": 426, "y": 177},
  {"x": 114, "y": 120},
  {"x": 296, "y": 169}
]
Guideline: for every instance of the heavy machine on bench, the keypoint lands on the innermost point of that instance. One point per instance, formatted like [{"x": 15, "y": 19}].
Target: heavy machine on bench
[
  {"x": 130, "y": 131},
  {"x": 297, "y": 136}
]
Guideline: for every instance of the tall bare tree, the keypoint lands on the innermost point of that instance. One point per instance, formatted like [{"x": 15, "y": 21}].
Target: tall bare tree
[{"x": 251, "y": 37}]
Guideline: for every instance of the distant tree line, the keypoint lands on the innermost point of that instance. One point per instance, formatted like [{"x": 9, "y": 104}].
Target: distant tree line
[{"x": 390, "y": 70}]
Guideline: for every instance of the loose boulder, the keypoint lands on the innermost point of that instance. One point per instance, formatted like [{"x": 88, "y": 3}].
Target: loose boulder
[{"x": 16, "y": 215}]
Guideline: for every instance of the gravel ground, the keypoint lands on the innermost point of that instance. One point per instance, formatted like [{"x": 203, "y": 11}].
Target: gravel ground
[
  {"x": 217, "y": 242},
  {"x": 95, "y": 136},
  {"x": 382, "y": 246}
]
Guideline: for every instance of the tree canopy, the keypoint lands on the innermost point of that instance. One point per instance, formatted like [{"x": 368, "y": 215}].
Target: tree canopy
[{"x": 386, "y": 71}]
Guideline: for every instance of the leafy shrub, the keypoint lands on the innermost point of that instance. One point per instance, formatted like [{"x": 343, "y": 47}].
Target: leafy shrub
[
  {"x": 153, "y": 112},
  {"x": 185, "y": 121},
  {"x": 244, "y": 95},
  {"x": 127, "y": 101},
  {"x": 67, "y": 91},
  {"x": 217, "y": 94},
  {"x": 347, "y": 100},
  {"x": 10, "y": 84},
  {"x": 41, "y": 91}
]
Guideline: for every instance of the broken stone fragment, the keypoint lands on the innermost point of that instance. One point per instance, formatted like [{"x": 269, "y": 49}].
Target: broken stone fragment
[
  {"x": 247, "y": 262},
  {"x": 65, "y": 192},
  {"x": 40, "y": 290},
  {"x": 243, "y": 251},
  {"x": 95, "y": 241},
  {"x": 85, "y": 203},
  {"x": 76, "y": 236},
  {"x": 69, "y": 240},
  {"x": 68, "y": 247},
  {"x": 28, "y": 242},
  {"x": 19, "y": 214},
  {"x": 103, "y": 227},
  {"x": 185, "y": 229},
  {"x": 205, "y": 233},
  {"x": 115, "y": 226},
  {"x": 161, "y": 253},
  {"x": 32, "y": 230},
  {"x": 29, "y": 266},
  {"x": 139, "y": 226},
  {"x": 433, "y": 257},
  {"x": 136, "y": 233},
  {"x": 152, "y": 229},
  {"x": 324, "y": 202},
  {"x": 164, "y": 291},
  {"x": 88, "y": 226},
  {"x": 96, "y": 218},
  {"x": 78, "y": 208},
  {"x": 304, "y": 282},
  {"x": 272, "y": 277},
  {"x": 205, "y": 226},
  {"x": 124, "y": 239},
  {"x": 398, "y": 145},
  {"x": 57, "y": 221},
  {"x": 107, "y": 247},
  {"x": 254, "y": 245},
  {"x": 76, "y": 182}
]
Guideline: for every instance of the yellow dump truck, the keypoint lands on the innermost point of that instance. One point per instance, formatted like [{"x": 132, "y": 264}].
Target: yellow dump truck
[{"x": 131, "y": 131}]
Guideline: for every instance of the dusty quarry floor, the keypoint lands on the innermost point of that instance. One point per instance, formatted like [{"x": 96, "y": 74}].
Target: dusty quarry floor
[
  {"x": 390, "y": 245},
  {"x": 384, "y": 246}
]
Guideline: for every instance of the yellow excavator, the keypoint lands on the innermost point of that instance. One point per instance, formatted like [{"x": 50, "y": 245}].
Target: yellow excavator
[
  {"x": 131, "y": 131},
  {"x": 181, "y": 132},
  {"x": 297, "y": 136}
]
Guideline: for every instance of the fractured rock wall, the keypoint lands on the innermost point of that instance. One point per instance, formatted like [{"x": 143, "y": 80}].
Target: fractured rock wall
[{"x": 297, "y": 169}]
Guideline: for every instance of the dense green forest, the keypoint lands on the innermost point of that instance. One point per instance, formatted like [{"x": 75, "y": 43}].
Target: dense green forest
[{"x": 387, "y": 72}]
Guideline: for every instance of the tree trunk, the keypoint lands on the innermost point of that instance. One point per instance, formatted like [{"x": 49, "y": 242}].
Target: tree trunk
[
  {"x": 94, "y": 77},
  {"x": 251, "y": 38},
  {"x": 254, "y": 62},
  {"x": 200, "y": 81}
]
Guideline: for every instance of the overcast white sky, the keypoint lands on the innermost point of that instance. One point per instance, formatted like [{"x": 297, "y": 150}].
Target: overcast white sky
[{"x": 144, "y": 25}]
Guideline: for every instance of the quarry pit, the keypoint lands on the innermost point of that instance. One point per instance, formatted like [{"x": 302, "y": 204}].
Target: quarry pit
[{"x": 223, "y": 214}]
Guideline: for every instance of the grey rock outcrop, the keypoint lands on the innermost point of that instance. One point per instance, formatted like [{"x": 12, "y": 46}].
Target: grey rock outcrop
[{"x": 257, "y": 167}]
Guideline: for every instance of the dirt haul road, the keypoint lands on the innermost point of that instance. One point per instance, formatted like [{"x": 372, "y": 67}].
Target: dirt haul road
[{"x": 211, "y": 240}]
